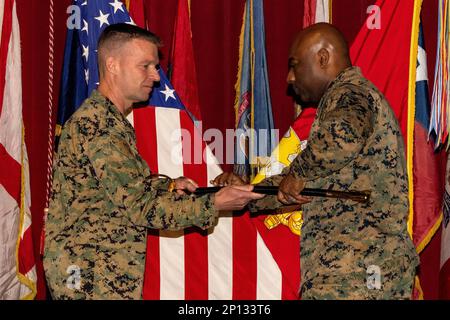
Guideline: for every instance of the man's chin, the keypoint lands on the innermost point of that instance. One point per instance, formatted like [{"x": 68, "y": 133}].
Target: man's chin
[
  {"x": 305, "y": 100},
  {"x": 145, "y": 96},
  {"x": 141, "y": 101},
  {"x": 140, "y": 104},
  {"x": 302, "y": 100},
  {"x": 299, "y": 96}
]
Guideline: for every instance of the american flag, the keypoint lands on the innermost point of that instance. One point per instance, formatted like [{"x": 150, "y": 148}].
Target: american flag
[
  {"x": 230, "y": 261},
  {"x": 17, "y": 264},
  {"x": 87, "y": 20},
  {"x": 316, "y": 11}
]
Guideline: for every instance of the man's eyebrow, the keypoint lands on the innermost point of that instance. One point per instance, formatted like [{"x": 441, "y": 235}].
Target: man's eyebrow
[
  {"x": 147, "y": 61},
  {"x": 292, "y": 61}
]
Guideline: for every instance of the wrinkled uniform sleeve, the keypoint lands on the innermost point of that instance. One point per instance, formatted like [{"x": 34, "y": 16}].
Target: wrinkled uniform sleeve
[
  {"x": 340, "y": 135},
  {"x": 144, "y": 201},
  {"x": 269, "y": 201}
]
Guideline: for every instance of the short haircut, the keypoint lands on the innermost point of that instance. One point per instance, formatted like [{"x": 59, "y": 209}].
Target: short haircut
[{"x": 115, "y": 36}]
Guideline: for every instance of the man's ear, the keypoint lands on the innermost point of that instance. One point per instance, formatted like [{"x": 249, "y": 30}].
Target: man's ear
[
  {"x": 112, "y": 65},
  {"x": 324, "y": 57}
]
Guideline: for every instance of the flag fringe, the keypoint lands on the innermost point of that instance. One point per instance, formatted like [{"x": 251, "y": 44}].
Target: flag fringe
[
  {"x": 440, "y": 117},
  {"x": 23, "y": 279},
  {"x": 237, "y": 86},
  {"x": 330, "y": 11},
  {"x": 412, "y": 108},
  {"x": 252, "y": 82},
  {"x": 430, "y": 234},
  {"x": 418, "y": 288}
]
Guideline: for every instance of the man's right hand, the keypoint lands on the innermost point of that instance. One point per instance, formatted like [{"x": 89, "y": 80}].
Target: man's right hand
[
  {"x": 227, "y": 179},
  {"x": 289, "y": 191},
  {"x": 235, "y": 197}
]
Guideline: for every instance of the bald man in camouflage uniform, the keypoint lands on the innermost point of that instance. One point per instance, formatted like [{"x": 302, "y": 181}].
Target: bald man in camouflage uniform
[
  {"x": 349, "y": 250},
  {"x": 103, "y": 196}
]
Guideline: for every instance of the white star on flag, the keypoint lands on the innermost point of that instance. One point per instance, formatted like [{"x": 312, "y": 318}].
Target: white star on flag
[
  {"x": 131, "y": 22},
  {"x": 421, "y": 71},
  {"x": 103, "y": 18},
  {"x": 117, "y": 5},
  {"x": 86, "y": 52},
  {"x": 86, "y": 75},
  {"x": 168, "y": 93},
  {"x": 85, "y": 26}
]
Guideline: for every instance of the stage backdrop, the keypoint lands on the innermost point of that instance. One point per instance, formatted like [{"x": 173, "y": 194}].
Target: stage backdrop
[{"x": 215, "y": 30}]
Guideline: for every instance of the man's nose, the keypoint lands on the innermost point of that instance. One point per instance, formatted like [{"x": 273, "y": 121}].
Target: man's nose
[
  {"x": 154, "y": 74},
  {"x": 290, "y": 77}
]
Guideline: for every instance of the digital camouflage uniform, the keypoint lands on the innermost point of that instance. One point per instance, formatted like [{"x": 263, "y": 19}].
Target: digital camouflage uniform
[
  {"x": 351, "y": 250},
  {"x": 102, "y": 202}
]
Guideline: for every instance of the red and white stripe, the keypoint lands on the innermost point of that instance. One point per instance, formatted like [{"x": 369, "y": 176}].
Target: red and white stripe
[
  {"x": 230, "y": 261},
  {"x": 316, "y": 11},
  {"x": 17, "y": 265}
]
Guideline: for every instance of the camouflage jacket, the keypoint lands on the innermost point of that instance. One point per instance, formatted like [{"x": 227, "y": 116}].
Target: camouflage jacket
[
  {"x": 354, "y": 144},
  {"x": 102, "y": 202}
]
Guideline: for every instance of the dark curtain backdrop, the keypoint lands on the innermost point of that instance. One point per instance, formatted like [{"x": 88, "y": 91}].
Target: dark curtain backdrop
[{"x": 216, "y": 26}]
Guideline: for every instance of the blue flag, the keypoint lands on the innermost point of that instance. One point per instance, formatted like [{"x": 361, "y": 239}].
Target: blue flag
[{"x": 254, "y": 120}]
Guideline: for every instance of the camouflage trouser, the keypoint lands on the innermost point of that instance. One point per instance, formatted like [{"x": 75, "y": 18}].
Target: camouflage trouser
[
  {"x": 395, "y": 282},
  {"x": 86, "y": 275},
  {"x": 88, "y": 288}
]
